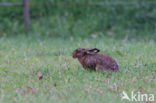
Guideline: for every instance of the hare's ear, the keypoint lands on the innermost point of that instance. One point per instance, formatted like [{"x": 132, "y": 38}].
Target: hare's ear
[{"x": 92, "y": 51}]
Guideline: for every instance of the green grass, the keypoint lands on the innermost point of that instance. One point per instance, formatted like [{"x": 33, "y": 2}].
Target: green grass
[{"x": 21, "y": 58}]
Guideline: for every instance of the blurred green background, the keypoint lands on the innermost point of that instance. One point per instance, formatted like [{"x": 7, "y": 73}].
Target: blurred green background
[
  {"x": 123, "y": 29},
  {"x": 82, "y": 18}
]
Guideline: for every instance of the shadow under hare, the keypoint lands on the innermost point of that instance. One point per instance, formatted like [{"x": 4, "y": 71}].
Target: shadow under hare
[{"x": 92, "y": 59}]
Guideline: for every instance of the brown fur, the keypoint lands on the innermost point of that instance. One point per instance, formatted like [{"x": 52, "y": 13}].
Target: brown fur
[{"x": 90, "y": 58}]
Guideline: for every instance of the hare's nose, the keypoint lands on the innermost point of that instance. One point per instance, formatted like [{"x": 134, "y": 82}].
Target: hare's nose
[{"x": 73, "y": 55}]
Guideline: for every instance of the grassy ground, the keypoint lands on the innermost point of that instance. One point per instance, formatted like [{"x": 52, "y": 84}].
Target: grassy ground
[{"x": 64, "y": 80}]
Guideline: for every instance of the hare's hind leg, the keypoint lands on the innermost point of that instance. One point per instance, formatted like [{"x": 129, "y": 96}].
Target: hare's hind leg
[{"x": 100, "y": 67}]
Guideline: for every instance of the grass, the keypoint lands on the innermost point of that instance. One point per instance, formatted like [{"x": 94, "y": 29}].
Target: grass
[{"x": 64, "y": 80}]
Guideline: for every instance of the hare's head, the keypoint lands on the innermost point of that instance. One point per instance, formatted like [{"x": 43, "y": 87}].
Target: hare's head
[{"x": 80, "y": 52}]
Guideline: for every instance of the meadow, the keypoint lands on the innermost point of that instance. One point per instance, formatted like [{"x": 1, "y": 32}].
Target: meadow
[{"x": 64, "y": 80}]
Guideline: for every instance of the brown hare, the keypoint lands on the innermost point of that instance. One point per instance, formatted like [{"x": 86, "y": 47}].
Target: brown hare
[{"x": 90, "y": 58}]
